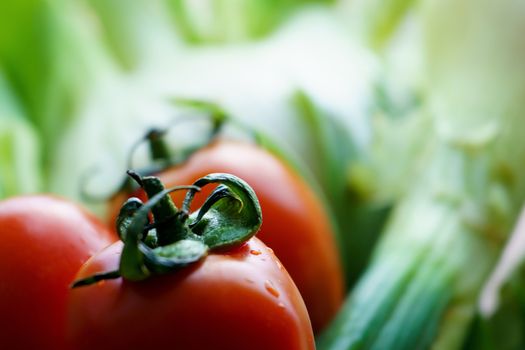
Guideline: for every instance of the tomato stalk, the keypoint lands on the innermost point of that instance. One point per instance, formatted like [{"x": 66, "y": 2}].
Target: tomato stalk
[
  {"x": 158, "y": 148},
  {"x": 159, "y": 152},
  {"x": 170, "y": 222},
  {"x": 162, "y": 157},
  {"x": 230, "y": 216}
]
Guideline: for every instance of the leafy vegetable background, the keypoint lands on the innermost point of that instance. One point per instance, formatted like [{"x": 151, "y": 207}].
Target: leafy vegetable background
[{"x": 364, "y": 97}]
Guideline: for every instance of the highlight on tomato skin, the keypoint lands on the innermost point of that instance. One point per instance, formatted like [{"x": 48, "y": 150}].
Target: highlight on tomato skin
[
  {"x": 296, "y": 225},
  {"x": 239, "y": 299},
  {"x": 45, "y": 240}
]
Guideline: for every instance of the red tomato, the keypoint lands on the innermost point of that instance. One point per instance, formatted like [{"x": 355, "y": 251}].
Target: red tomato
[
  {"x": 242, "y": 299},
  {"x": 295, "y": 224},
  {"x": 44, "y": 241}
]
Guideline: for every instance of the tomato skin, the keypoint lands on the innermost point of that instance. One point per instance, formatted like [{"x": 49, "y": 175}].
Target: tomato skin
[
  {"x": 241, "y": 299},
  {"x": 44, "y": 242},
  {"x": 295, "y": 224}
]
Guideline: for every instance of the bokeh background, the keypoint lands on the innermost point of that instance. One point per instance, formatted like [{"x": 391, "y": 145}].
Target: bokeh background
[{"x": 405, "y": 115}]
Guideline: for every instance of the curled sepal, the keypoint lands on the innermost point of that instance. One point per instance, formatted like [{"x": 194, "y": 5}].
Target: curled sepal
[
  {"x": 174, "y": 256},
  {"x": 230, "y": 215},
  {"x": 221, "y": 192}
]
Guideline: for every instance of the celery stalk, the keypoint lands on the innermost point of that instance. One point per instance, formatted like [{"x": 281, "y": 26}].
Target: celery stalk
[
  {"x": 438, "y": 249},
  {"x": 421, "y": 288}
]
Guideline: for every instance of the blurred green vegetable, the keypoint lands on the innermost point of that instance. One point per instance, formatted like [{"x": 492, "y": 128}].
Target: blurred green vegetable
[
  {"x": 502, "y": 330},
  {"x": 501, "y": 315},
  {"x": 226, "y": 21},
  {"x": 19, "y": 148},
  {"x": 421, "y": 287},
  {"x": 375, "y": 21},
  {"x": 334, "y": 157},
  {"x": 136, "y": 34},
  {"x": 47, "y": 52}
]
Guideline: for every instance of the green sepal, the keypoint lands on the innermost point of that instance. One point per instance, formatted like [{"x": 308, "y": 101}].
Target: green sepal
[
  {"x": 132, "y": 262},
  {"x": 125, "y": 215},
  {"x": 168, "y": 258},
  {"x": 230, "y": 215}
]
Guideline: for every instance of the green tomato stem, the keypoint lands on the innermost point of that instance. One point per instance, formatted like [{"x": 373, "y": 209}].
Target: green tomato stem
[
  {"x": 158, "y": 148},
  {"x": 230, "y": 216}
]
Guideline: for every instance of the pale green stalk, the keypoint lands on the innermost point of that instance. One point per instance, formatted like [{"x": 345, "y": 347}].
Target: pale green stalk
[{"x": 421, "y": 288}]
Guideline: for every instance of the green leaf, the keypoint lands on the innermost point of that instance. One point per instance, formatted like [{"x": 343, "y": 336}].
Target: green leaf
[{"x": 335, "y": 158}]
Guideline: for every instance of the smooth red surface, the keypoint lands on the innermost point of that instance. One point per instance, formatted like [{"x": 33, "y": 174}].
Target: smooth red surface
[
  {"x": 295, "y": 224},
  {"x": 238, "y": 300},
  {"x": 43, "y": 242}
]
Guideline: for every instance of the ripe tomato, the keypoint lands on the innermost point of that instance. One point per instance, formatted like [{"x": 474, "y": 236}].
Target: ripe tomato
[
  {"x": 295, "y": 225},
  {"x": 44, "y": 242},
  {"x": 240, "y": 299}
]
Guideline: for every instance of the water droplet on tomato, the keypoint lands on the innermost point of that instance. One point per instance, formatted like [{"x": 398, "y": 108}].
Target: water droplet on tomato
[
  {"x": 249, "y": 280},
  {"x": 281, "y": 305},
  {"x": 271, "y": 289},
  {"x": 255, "y": 252},
  {"x": 270, "y": 250}
]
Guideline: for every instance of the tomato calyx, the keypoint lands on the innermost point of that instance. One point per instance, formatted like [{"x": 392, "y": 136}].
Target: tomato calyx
[{"x": 230, "y": 216}]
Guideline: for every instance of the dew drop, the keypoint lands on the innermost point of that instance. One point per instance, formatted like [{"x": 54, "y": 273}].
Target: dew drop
[
  {"x": 255, "y": 252},
  {"x": 270, "y": 250},
  {"x": 281, "y": 305},
  {"x": 271, "y": 289}
]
